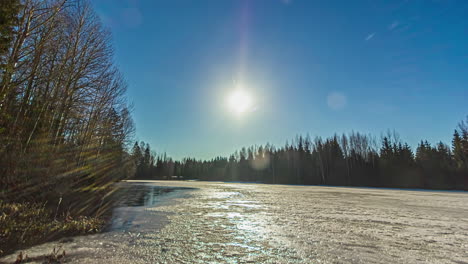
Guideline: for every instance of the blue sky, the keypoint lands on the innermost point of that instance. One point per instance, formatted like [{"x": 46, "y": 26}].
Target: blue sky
[{"x": 316, "y": 67}]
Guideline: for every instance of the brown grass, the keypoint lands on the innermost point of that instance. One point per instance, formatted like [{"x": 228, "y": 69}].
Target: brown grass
[{"x": 26, "y": 224}]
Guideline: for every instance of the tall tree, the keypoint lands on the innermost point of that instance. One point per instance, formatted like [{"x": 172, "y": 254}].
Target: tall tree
[{"x": 9, "y": 11}]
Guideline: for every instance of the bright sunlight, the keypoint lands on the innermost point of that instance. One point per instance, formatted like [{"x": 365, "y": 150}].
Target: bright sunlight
[{"x": 239, "y": 101}]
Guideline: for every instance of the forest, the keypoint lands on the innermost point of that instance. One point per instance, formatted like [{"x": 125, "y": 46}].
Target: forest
[
  {"x": 64, "y": 120},
  {"x": 353, "y": 159}
]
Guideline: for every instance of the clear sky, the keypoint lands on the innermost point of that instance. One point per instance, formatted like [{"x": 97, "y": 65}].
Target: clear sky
[{"x": 308, "y": 66}]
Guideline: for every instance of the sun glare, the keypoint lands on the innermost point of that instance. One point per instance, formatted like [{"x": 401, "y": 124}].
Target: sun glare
[{"x": 239, "y": 101}]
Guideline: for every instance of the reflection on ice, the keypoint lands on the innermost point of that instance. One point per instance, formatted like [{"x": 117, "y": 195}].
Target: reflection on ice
[
  {"x": 244, "y": 246},
  {"x": 140, "y": 194},
  {"x": 233, "y": 215}
]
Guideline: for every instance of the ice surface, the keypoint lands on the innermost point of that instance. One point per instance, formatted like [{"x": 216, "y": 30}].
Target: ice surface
[{"x": 259, "y": 223}]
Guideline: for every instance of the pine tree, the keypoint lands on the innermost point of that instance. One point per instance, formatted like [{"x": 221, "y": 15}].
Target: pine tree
[
  {"x": 460, "y": 154},
  {"x": 147, "y": 162},
  {"x": 458, "y": 150},
  {"x": 137, "y": 159}
]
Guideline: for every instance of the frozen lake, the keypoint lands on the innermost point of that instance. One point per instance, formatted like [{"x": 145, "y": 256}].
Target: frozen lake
[{"x": 213, "y": 222}]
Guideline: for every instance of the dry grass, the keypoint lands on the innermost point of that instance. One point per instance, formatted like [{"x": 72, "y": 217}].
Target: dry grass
[
  {"x": 57, "y": 256},
  {"x": 26, "y": 224}
]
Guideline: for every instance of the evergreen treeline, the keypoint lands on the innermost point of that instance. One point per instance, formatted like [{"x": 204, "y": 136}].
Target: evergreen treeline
[
  {"x": 149, "y": 165},
  {"x": 64, "y": 121},
  {"x": 348, "y": 160}
]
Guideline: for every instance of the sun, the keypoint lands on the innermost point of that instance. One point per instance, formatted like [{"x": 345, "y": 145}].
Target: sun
[{"x": 239, "y": 101}]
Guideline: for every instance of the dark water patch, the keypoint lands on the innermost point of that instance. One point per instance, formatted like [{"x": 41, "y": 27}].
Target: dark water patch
[
  {"x": 135, "y": 195},
  {"x": 131, "y": 201}
]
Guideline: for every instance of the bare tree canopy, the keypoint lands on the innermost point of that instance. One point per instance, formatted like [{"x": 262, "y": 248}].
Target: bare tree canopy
[{"x": 64, "y": 118}]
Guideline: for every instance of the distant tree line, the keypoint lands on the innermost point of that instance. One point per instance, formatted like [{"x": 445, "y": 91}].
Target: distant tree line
[
  {"x": 64, "y": 120},
  {"x": 348, "y": 160},
  {"x": 149, "y": 165}
]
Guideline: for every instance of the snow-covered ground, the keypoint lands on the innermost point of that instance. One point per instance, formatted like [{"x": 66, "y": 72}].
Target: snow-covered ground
[{"x": 257, "y": 223}]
